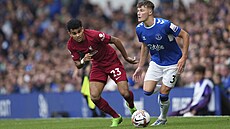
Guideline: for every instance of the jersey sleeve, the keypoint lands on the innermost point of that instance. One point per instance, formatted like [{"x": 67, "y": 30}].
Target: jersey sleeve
[
  {"x": 138, "y": 32},
  {"x": 172, "y": 28},
  {"x": 74, "y": 54},
  {"x": 102, "y": 37}
]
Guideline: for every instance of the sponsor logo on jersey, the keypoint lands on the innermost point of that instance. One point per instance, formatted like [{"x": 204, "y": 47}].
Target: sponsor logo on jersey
[
  {"x": 156, "y": 47},
  {"x": 92, "y": 52}
]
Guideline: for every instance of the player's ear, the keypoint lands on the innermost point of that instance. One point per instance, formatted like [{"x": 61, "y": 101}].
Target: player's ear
[
  {"x": 69, "y": 33},
  {"x": 150, "y": 12}
]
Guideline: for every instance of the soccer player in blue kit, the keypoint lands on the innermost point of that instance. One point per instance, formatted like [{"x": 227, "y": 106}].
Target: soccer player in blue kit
[{"x": 157, "y": 36}]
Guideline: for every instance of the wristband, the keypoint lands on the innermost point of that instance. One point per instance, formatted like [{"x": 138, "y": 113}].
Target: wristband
[{"x": 82, "y": 61}]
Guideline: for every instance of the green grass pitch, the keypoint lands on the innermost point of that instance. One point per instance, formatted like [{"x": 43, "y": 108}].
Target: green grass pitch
[{"x": 104, "y": 123}]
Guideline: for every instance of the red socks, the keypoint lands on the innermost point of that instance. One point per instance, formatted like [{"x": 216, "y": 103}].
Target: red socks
[
  {"x": 130, "y": 99},
  {"x": 105, "y": 107}
]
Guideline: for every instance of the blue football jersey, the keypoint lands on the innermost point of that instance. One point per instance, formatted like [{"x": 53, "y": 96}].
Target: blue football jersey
[{"x": 160, "y": 39}]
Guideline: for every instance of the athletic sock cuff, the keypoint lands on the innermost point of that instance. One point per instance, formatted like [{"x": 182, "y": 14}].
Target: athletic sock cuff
[
  {"x": 148, "y": 93},
  {"x": 164, "y": 97}
]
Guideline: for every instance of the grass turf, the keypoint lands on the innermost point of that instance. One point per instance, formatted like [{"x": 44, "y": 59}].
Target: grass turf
[{"x": 104, "y": 123}]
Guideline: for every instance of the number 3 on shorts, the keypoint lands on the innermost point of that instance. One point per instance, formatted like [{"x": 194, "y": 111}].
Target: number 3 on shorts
[{"x": 173, "y": 79}]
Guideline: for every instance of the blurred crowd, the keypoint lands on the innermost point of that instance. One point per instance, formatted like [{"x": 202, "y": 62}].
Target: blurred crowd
[{"x": 34, "y": 58}]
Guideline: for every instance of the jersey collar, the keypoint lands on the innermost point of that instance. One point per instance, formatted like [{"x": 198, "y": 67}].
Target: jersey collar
[{"x": 151, "y": 25}]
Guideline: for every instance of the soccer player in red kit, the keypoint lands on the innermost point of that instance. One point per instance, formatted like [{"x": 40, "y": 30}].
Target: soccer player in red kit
[{"x": 91, "y": 45}]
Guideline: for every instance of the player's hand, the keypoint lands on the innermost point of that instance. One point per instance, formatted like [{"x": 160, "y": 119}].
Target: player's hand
[
  {"x": 131, "y": 60},
  {"x": 88, "y": 57},
  {"x": 181, "y": 65},
  {"x": 137, "y": 76}
]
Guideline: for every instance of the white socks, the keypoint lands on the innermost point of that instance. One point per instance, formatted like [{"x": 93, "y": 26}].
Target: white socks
[{"x": 164, "y": 106}]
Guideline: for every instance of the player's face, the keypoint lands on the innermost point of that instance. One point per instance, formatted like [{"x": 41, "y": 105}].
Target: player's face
[
  {"x": 143, "y": 13},
  {"x": 198, "y": 76},
  {"x": 77, "y": 34}
]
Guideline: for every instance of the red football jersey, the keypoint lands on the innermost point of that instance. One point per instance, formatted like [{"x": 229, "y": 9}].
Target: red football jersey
[{"x": 96, "y": 43}]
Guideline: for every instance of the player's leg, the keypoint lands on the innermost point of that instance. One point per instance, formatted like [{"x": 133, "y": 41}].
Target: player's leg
[
  {"x": 86, "y": 93},
  {"x": 98, "y": 78},
  {"x": 127, "y": 95},
  {"x": 118, "y": 74},
  {"x": 96, "y": 89},
  {"x": 91, "y": 107},
  {"x": 152, "y": 77},
  {"x": 163, "y": 100},
  {"x": 169, "y": 80},
  {"x": 149, "y": 87}
]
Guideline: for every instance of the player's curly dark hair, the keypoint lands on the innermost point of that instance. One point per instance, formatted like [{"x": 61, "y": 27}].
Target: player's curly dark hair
[
  {"x": 146, "y": 3},
  {"x": 73, "y": 24}
]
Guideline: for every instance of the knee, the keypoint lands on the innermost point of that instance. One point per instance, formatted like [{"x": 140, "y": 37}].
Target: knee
[
  {"x": 94, "y": 97},
  {"x": 148, "y": 93},
  {"x": 165, "y": 89},
  {"x": 124, "y": 93}
]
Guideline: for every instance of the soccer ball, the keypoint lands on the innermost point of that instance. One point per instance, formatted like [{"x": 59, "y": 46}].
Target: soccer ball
[{"x": 140, "y": 118}]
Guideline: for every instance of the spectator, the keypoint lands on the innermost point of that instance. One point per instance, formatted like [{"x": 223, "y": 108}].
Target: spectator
[{"x": 202, "y": 102}]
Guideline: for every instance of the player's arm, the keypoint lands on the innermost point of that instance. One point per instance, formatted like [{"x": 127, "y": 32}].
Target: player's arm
[
  {"x": 144, "y": 55},
  {"x": 185, "y": 36},
  {"x": 80, "y": 63},
  {"x": 117, "y": 42},
  {"x": 137, "y": 76},
  {"x": 181, "y": 63}
]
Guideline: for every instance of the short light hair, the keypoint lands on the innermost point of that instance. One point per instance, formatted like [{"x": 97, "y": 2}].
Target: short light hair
[{"x": 146, "y": 3}]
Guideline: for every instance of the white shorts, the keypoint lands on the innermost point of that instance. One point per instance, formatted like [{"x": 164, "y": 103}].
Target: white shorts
[{"x": 168, "y": 74}]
